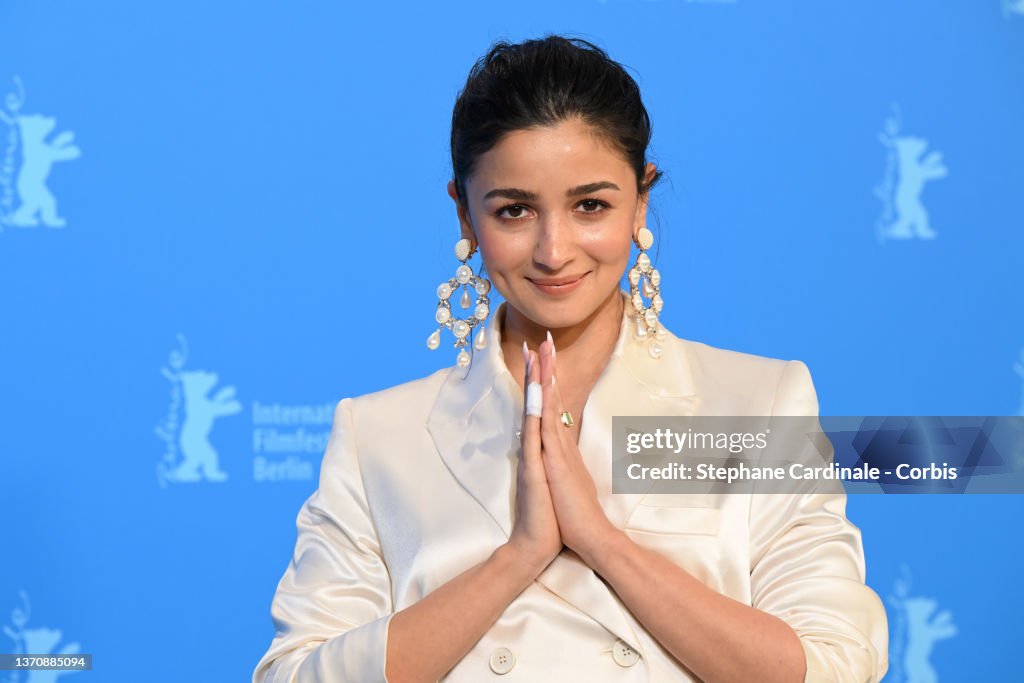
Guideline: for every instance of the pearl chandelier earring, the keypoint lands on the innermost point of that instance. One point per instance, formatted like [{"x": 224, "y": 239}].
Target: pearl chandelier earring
[
  {"x": 461, "y": 328},
  {"x": 646, "y": 317}
]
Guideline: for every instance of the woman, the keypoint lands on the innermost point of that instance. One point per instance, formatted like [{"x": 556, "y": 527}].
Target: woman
[{"x": 464, "y": 527}]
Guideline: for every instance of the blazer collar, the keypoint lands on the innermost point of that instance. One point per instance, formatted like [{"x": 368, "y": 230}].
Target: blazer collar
[{"x": 478, "y": 411}]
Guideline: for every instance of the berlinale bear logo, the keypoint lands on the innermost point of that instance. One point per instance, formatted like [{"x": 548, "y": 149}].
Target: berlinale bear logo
[
  {"x": 908, "y": 168},
  {"x": 29, "y": 133},
  {"x": 36, "y": 641},
  {"x": 189, "y": 433}
]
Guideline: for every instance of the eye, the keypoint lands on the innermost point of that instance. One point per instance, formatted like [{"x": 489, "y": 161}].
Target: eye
[
  {"x": 601, "y": 204},
  {"x": 593, "y": 206},
  {"x": 512, "y": 207}
]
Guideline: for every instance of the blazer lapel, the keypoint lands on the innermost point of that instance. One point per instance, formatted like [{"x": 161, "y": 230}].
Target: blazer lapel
[
  {"x": 474, "y": 422},
  {"x": 477, "y": 413}
]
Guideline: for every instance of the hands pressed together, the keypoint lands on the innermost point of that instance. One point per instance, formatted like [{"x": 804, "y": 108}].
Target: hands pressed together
[{"x": 556, "y": 500}]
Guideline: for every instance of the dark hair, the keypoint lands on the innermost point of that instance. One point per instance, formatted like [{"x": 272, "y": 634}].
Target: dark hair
[{"x": 543, "y": 82}]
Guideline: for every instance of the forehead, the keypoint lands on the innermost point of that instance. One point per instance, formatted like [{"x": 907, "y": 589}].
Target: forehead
[{"x": 549, "y": 159}]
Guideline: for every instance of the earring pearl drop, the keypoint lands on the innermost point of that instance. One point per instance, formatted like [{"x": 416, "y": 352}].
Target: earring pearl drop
[
  {"x": 644, "y": 282},
  {"x": 461, "y": 328}
]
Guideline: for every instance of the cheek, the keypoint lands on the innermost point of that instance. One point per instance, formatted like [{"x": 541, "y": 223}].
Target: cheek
[
  {"x": 610, "y": 246},
  {"x": 502, "y": 252}
]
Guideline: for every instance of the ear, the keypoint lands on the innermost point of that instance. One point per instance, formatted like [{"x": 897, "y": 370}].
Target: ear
[
  {"x": 640, "y": 219},
  {"x": 465, "y": 220}
]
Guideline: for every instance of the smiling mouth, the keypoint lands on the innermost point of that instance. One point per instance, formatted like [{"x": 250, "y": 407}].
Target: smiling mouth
[{"x": 564, "y": 286}]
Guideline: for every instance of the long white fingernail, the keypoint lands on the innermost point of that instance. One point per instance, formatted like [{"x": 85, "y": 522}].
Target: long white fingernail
[
  {"x": 534, "y": 399},
  {"x": 526, "y": 354},
  {"x": 552, "y": 342}
]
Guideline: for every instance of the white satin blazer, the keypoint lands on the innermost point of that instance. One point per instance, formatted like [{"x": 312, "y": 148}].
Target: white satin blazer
[{"x": 416, "y": 486}]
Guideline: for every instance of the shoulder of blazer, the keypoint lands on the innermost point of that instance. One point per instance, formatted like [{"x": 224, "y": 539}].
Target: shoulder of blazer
[
  {"x": 729, "y": 372},
  {"x": 411, "y": 400}
]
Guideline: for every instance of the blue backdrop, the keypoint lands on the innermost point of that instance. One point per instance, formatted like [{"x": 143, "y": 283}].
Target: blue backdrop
[{"x": 207, "y": 208}]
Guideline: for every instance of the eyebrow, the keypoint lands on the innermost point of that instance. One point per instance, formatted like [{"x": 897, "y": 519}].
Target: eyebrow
[{"x": 526, "y": 195}]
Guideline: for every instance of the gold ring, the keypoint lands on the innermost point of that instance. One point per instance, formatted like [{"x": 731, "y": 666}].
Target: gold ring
[{"x": 567, "y": 418}]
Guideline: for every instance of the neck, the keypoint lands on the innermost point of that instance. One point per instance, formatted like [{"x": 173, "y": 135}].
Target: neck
[{"x": 580, "y": 345}]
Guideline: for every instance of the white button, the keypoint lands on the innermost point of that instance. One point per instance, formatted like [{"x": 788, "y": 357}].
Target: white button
[
  {"x": 502, "y": 660},
  {"x": 623, "y": 654}
]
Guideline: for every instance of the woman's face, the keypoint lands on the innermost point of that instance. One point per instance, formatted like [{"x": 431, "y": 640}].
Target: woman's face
[{"x": 550, "y": 205}]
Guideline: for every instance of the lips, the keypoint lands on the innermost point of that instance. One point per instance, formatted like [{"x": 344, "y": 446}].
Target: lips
[{"x": 558, "y": 285}]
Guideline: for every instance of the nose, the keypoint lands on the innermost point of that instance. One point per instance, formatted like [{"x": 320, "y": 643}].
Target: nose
[{"x": 555, "y": 244}]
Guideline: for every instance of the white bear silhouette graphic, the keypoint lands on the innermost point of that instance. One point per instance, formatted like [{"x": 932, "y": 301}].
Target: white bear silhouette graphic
[
  {"x": 914, "y": 172},
  {"x": 200, "y": 412},
  {"x": 923, "y": 631},
  {"x": 41, "y": 641},
  {"x": 38, "y": 157}
]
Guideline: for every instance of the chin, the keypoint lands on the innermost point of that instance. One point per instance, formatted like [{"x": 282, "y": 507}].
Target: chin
[
  {"x": 556, "y": 315},
  {"x": 558, "y": 312}
]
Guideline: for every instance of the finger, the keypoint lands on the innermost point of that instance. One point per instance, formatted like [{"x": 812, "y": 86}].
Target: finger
[
  {"x": 549, "y": 423},
  {"x": 555, "y": 392},
  {"x": 526, "y": 380},
  {"x": 531, "y": 422},
  {"x": 526, "y": 362}
]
